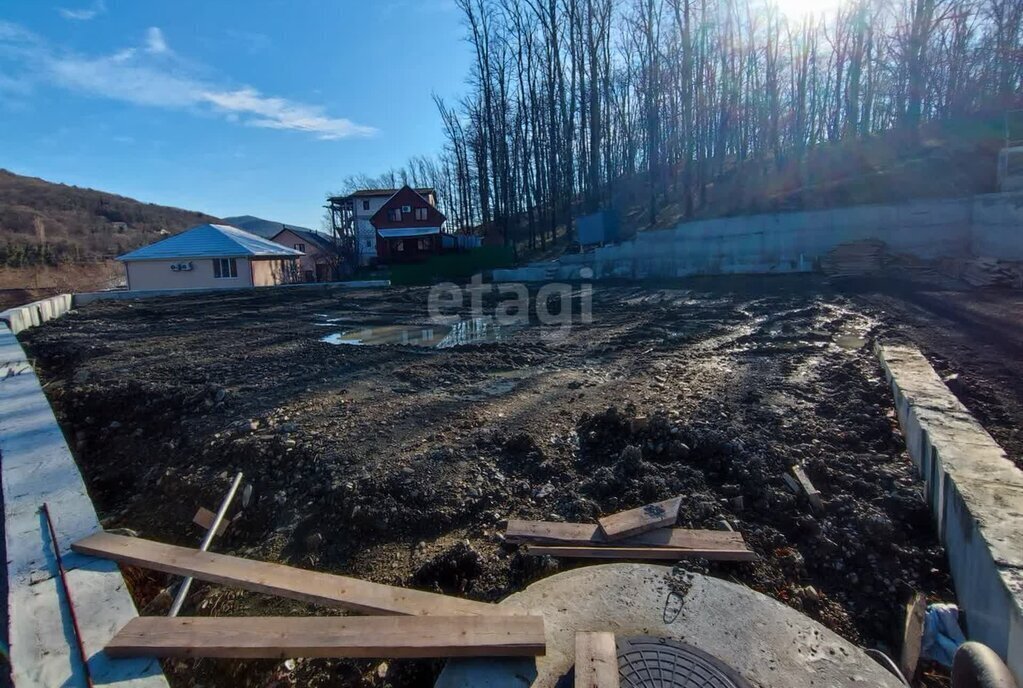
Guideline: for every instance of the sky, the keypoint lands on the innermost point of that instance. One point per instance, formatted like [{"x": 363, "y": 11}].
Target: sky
[{"x": 230, "y": 107}]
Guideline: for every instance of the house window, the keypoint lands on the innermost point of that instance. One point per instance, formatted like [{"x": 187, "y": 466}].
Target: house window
[
  {"x": 225, "y": 268},
  {"x": 406, "y": 209},
  {"x": 425, "y": 244},
  {"x": 394, "y": 214},
  {"x": 420, "y": 213},
  {"x": 399, "y": 246},
  {"x": 365, "y": 205},
  {"x": 300, "y": 247}
]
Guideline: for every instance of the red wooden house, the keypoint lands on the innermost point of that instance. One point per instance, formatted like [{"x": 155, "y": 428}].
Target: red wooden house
[{"x": 408, "y": 228}]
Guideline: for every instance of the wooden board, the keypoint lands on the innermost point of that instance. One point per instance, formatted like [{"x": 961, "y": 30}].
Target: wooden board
[
  {"x": 204, "y": 519},
  {"x": 586, "y": 534},
  {"x": 596, "y": 660},
  {"x": 280, "y": 580},
  {"x": 636, "y": 521},
  {"x": 384, "y": 637},
  {"x": 661, "y": 553},
  {"x": 811, "y": 492},
  {"x": 912, "y": 636}
]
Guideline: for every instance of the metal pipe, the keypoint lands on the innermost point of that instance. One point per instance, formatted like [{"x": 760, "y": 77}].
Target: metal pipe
[
  {"x": 179, "y": 599},
  {"x": 67, "y": 592}
]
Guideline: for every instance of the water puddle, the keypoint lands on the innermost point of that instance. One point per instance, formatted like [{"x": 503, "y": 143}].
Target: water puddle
[
  {"x": 473, "y": 331},
  {"x": 850, "y": 341}
]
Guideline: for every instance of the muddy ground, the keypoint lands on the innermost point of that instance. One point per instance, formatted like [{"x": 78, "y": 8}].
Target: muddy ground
[{"x": 398, "y": 463}]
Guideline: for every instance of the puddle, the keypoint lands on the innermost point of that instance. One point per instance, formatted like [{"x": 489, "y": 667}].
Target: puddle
[
  {"x": 850, "y": 341},
  {"x": 473, "y": 331}
]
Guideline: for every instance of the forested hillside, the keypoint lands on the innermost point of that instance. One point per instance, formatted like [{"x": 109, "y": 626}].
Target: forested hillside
[
  {"x": 685, "y": 108},
  {"x": 43, "y": 223}
]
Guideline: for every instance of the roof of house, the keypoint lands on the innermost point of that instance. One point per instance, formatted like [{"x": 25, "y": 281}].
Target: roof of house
[
  {"x": 406, "y": 195},
  {"x": 211, "y": 241},
  {"x": 362, "y": 193},
  {"x": 316, "y": 238}
]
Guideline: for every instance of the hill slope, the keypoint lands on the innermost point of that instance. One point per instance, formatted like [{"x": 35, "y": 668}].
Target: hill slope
[
  {"x": 260, "y": 227},
  {"x": 44, "y": 223}
]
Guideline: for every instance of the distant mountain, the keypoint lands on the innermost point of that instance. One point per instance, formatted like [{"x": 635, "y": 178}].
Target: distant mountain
[
  {"x": 44, "y": 222},
  {"x": 257, "y": 225}
]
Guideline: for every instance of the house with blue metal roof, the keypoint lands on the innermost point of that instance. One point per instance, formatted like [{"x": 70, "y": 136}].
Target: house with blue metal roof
[{"x": 211, "y": 257}]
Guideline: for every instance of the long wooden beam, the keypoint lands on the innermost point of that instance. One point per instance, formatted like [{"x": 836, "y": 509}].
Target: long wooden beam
[
  {"x": 636, "y": 521},
  {"x": 280, "y": 580},
  {"x": 587, "y": 534},
  {"x": 627, "y": 553},
  {"x": 596, "y": 660},
  {"x": 384, "y": 637}
]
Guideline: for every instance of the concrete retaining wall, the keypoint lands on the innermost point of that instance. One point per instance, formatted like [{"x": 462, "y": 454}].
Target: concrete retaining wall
[
  {"x": 35, "y": 313},
  {"x": 38, "y": 468},
  {"x": 989, "y": 225},
  {"x": 122, "y": 295},
  {"x": 976, "y": 496},
  {"x": 997, "y": 226}
]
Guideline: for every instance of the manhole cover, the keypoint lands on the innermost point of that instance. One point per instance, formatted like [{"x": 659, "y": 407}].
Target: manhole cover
[
  {"x": 659, "y": 662},
  {"x": 662, "y": 663},
  {"x": 646, "y": 662}
]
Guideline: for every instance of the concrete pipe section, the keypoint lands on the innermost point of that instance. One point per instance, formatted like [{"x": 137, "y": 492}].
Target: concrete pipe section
[{"x": 763, "y": 641}]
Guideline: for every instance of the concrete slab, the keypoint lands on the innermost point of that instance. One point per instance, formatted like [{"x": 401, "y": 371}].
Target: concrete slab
[
  {"x": 976, "y": 495},
  {"x": 37, "y": 467},
  {"x": 769, "y": 644},
  {"x": 85, "y": 298}
]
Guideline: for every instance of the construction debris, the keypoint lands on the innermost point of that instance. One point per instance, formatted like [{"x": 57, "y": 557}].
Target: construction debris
[
  {"x": 636, "y": 521},
  {"x": 278, "y": 579},
  {"x": 912, "y": 636},
  {"x": 545, "y": 532},
  {"x": 596, "y": 660},
  {"x": 633, "y": 534},
  {"x": 808, "y": 489},
  {"x": 626, "y": 553},
  {"x": 204, "y": 519},
  {"x": 397, "y": 637},
  {"x": 854, "y": 258}
]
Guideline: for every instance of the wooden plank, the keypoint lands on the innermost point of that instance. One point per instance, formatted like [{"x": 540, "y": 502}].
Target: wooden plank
[
  {"x": 596, "y": 660},
  {"x": 662, "y": 553},
  {"x": 204, "y": 519},
  {"x": 277, "y": 579},
  {"x": 384, "y": 637},
  {"x": 586, "y": 534},
  {"x": 912, "y": 636},
  {"x": 811, "y": 492},
  {"x": 636, "y": 521}
]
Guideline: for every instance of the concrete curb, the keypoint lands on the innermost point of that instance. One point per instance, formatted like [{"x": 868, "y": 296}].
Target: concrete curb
[
  {"x": 36, "y": 313},
  {"x": 976, "y": 497},
  {"x": 38, "y": 467}
]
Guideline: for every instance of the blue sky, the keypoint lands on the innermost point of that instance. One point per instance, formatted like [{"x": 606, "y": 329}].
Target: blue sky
[{"x": 233, "y": 107}]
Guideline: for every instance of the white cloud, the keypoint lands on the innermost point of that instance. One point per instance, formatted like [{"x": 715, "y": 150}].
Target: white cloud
[
  {"x": 155, "y": 42},
  {"x": 84, "y": 14},
  {"x": 155, "y": 77},
  {"x": 278, "y": 113}
]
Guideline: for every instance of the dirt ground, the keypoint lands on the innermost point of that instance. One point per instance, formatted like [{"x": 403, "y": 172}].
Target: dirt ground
[{"x": 398, "y": 463}]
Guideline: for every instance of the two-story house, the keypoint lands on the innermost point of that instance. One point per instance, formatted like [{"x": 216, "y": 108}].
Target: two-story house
[
  {"x": 408, "y": 227},
  {"x": 363, "y": 205}
]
